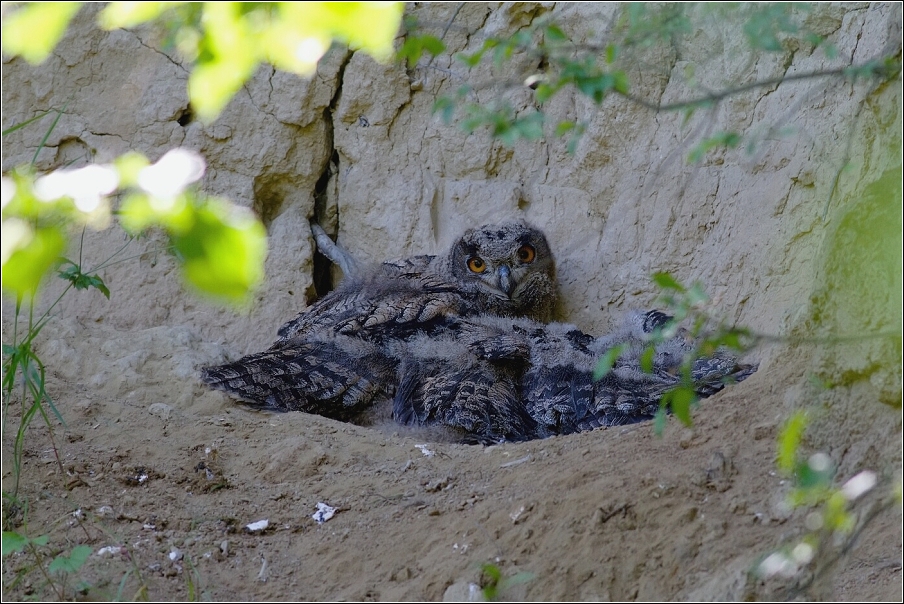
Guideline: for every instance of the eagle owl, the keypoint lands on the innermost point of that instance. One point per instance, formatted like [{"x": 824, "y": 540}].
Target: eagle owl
[
  {"x": 491, "y": 379},
  {"x": 340, "y": 356}
]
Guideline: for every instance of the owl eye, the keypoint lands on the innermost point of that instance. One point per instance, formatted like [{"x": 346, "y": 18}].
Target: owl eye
[
  {"x": 526, "y": 254},
  {"x": 476, "y": 264}
]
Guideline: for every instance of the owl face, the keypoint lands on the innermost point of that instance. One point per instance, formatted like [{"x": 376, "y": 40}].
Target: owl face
[{"x": 510, "y": 265}]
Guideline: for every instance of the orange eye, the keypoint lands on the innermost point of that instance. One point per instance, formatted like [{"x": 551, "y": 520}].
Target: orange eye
[
  {"x": 526, "y": 254},
  {"x": 476, "y": 264}
]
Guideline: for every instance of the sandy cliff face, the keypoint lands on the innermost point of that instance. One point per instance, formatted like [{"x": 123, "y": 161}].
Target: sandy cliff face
[{"x": 785, "y": 240}]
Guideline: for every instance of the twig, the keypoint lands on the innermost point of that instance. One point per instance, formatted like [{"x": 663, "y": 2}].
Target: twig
[{"x": 446, "y": 29}]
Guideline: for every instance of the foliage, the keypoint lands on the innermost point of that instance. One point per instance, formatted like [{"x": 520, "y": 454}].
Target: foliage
[
  {"x": 60, "y": 568},
  {"x": 226, "y": 41},
  {"x": 684, "y": 304},
  {"x": 549, "y": 61},
  {"x": 837, "y": 516},
  {"x": 495, "y": 584},
  {"x": 221, "y": 246}
]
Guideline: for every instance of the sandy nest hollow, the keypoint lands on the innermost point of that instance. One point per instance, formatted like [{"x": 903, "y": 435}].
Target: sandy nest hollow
[{"x": 167, "y": 476}]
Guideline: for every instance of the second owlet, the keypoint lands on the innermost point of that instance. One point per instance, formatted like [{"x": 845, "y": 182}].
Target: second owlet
[{"x": 339, "y": 357}]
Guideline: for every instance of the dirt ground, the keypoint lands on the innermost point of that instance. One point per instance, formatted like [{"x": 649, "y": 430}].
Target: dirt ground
[{"x": 167, "y": 476}]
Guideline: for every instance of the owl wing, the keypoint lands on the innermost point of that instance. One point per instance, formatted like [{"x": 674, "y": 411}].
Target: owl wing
[
  {"x": 385, "y": 304},
  {"x": 336, "y": 377}
]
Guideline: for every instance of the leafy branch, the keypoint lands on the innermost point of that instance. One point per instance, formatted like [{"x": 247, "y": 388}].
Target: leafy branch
[{"x": 597, "y": 71}]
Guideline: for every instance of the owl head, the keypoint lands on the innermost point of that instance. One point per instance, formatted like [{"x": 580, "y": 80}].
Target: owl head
[{"x": 507, "y": 269}]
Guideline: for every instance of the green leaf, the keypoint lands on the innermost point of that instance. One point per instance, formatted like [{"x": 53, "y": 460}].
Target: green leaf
[
  {"x": 415, "y": 46},
  {"x": 808, "y": 478},
  {"x": 72, "y": 562},
  {"x": 28, "y": 254},
  {"x": 667, "y": 281},
  {"x": 79, "y": 280},
  {"x": 445, "y": 107},
  {"x": 564, "y": 127},
  {"x": 555, "y": 34},
  {"x": 646, "y": 359},
  {"x": 607, "y": 361},
  {"x": 679, "y": 401},
  {"x": 720, "y": 139},
  {"x": 223, "y": 251},
  {"x": 696, "y": 295},
  {"x": 620, "y": 82},
  {"x": 545, "y": 91},
  {"x": 660, "y": 420},
  {"x": 13, "y": 542},
  {"x": 34, "y": 30},
  {"x": 529, "y": 127},
  {"x": 789, "y": 440},
  {"x": 130, "y": 14}
]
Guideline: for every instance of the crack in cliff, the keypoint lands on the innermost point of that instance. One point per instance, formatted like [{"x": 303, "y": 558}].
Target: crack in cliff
[
  {"x": 326, "y": 214},
  {"x": 158, "y": 51}
]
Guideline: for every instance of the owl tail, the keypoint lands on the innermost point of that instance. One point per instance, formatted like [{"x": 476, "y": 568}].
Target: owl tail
[{"x": 314, "y": 377}]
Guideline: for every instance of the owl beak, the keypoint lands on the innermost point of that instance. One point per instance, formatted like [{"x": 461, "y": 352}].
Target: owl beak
[{"x": 506, "y": 283}]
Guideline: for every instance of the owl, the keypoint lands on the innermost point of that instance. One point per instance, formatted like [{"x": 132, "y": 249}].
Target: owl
[
  {"x": 497, "y": 379},
  {"x": 339, "y": 357}
]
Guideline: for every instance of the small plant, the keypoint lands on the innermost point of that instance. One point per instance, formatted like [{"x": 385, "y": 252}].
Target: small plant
[
  {"x": 58, "y": 572},
  {"x": 838, "y": 515},
  {"x": 495, "y": 584}
]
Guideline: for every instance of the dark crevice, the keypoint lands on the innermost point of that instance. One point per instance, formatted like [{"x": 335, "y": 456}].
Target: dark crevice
[
  {"x": 186, "y": 116},
  {"x": 323, "y": 273},
  {"x": 322, "y": 276}
]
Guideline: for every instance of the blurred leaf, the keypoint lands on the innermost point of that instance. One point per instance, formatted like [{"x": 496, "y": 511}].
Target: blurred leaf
[
  {"x": 128, "y": 166},
  {"x": 680, "y": 400},
  {"x": 696, "y": 295},
  {"x": 223, "y": 251},
  {"x": 564, "y": 127},
  {"x": 620, "y": 82},
  {"x": 415, "y": 46},
  {"x": 530, "y": 127},
  {"x": 666, "y": 281},
  {"x": 13, "y": 542},
  {"x": 789, "y": 440},
  {"x": 28, "y": 254},
  {"x": 808, "y": 477},
  {"x": 34, "y": 29},
  {"x": 766, "y": 23},
  {"x": 41, "y": 540},
  {"x": 720, "y": 139},
  {"x": 607, "y": 361},
  {"x": 130, "y": 14},
  {"x": 737, "y": 338},
  {"x": 554, "y": 33},
  {"x": 139, "y": 211},
  {"x": 230, "y": 39},
  {"x": 72, "y": 562},
  {"x": 660, "y": 419},
  {"x": 367, "y": 26},
  {"x": 445, "y": 107},
  {"x": 646, "y": 359}
]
